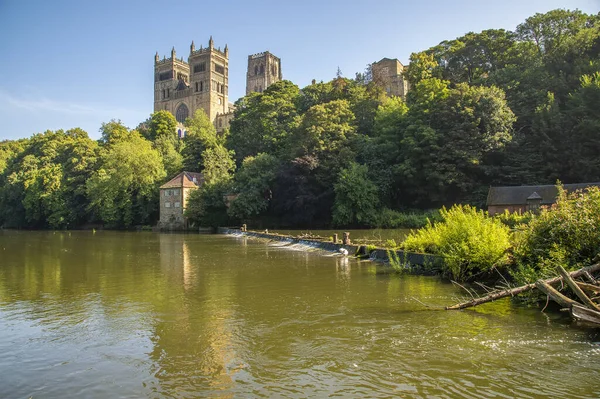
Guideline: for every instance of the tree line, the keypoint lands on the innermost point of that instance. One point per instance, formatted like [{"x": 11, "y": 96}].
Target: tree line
[{"x": 489, "y": 108}]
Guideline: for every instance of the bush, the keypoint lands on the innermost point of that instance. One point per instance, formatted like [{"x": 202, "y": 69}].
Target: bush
[
  {"x": 514, "y": 219},
  {"x": 390, "y": 219},
  {"x": 566, "y": 234},
  {"x": 471, "y": 242}
]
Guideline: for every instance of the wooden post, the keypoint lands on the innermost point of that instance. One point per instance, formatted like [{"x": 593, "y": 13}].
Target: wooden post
[
  {"x": 346, "y": 240},
  {"x": 244, "y": 229},
  {"x": 335, "y": 238}
]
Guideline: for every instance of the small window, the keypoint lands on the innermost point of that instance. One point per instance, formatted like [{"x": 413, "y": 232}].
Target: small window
[
  {"x": 166, "y": 191},
  {"x": 262, "y": 69},
  {"x": 176, "y": 192},
  {"x": 201, "y": 86},
  {"x": 177, "y": 205},
  {"x": 220, "y": 122},
  {"x": 219, "y": 69},
  {"x": 167, "y": 204},
  {"x": 256, "y": 70},
  {"x": 219, "y": 101}
]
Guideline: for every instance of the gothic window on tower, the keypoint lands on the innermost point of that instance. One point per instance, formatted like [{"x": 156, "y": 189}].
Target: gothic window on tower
[
  {"x": 262, "y": 69},
  {"x": 182, "y": 113},
  {"x": 219, "y": 69},
  {"x": 200, "y": 67},
  {"x": 256, "y": 70}
]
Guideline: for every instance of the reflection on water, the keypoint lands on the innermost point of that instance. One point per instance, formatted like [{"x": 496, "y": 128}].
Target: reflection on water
[{"x": 171, "y": 315}]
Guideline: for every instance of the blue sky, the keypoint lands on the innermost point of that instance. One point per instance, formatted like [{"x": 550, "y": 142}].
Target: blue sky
[{"x": 80, "y": 63}]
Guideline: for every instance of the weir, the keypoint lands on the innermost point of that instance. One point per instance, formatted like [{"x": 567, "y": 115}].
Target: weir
[{"x": 418, "y": 263}]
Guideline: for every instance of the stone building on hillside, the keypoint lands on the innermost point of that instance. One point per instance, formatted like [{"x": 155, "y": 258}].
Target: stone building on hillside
[
  {"x": 526, "y": 198},
  {"x": 264, "y": 69},
  {"x": 388, "y": 73},
  {"x": 173, "y": 199},
  {"x": 181, "y": 87}
]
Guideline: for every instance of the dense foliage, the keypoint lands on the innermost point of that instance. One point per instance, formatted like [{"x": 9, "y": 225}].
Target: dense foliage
[
  {"x": 566, "y": 234},
  {"x": 470, "y": 242},
  {"x": 488, "y": 108}
]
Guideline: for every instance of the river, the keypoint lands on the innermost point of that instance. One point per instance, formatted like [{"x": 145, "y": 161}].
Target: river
[{"x": 130, "y": 315}]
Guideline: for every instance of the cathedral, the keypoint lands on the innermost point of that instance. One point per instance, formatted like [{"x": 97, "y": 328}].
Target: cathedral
[{"x": 181, "y": 87}]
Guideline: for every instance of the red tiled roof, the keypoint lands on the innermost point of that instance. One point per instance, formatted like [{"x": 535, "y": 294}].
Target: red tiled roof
[{"x": 185, "y": 179}]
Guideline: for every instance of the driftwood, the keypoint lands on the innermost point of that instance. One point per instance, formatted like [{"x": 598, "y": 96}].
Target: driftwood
[
  {"x": 575, "y": 288},
  {"x": 590, "y": 278},
  {"x": 582, "y": 313},
  {"x": 518, "y": 290},
  {"x": 589, "y": 288},
  {"x": 554, "y": 294}
]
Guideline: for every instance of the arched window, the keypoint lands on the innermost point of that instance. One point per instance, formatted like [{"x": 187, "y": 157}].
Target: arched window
[
  {"x": 182, "y": 113},
  {"x": 256, "y": 70},
  {"x": 262, "y": 69}
]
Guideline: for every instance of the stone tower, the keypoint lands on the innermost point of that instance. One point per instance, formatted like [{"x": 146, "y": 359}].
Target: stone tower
[
  {"x": 202, "y": 82},
  {"x": 388, "y": 74},
  {"x": 264, "y": 69}
]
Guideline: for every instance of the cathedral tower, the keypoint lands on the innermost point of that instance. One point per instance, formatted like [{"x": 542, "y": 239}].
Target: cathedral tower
[
  {"x": 202, "y": 82},
  {"x": 264, "y": 69}
]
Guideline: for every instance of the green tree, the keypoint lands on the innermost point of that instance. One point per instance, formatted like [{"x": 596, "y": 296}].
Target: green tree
[
  {"x": 219, "y": 164},
  {"x": 201, "y": 134},
  {"x": 43, "y": 184},
  {"x": 113, "y": 132},
  {"x": 123, "y": 192},
  {"x": 252, "y": 184},
  {"x": 356, "y": 197},
  {"x": 446, "y": 137},
  {"x": 263, "y": 122}
]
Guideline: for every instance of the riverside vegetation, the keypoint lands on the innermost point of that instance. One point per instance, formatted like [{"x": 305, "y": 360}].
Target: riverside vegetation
[{"x": 489, "y": 108}]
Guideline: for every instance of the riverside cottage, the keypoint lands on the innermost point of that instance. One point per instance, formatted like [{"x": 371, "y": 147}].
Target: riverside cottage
[
  {"x": 173, "y": 199},
  {"x": 526, "y": 198}
]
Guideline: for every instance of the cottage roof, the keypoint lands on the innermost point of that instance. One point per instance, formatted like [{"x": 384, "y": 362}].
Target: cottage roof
[
  {"x": 518, "y": 195},
  {"x": 184, "y": 179}
]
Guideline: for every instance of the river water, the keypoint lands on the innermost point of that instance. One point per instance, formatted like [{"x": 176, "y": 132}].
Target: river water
[{"x": 130, "y": 315}]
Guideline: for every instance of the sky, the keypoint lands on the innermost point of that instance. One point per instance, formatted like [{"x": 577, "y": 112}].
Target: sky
[{"x": 79, "y": 63}]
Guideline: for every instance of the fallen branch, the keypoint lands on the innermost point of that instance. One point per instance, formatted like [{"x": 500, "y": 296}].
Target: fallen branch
[
  {"x": 582, "y": 313},
  {"x": 590, "y": 288},
  {"x": 575, "y": 288},
  {"x": 519, "y": 290},
  {"x": 554, "y": 294}
]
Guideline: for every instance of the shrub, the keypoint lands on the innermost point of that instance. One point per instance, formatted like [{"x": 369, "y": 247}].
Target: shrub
[
  {"x": 471, "y": 242},
  {"x": 566, "y": 234},
  {"x": 390, "y": 219},
  {"x": 514, "y": 219}
]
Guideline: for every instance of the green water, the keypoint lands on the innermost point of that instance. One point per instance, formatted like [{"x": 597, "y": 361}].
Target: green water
[{"x": 130, "y": 315}]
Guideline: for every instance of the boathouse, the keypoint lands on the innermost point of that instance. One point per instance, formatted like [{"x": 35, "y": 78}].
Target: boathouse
[
  {"x": 173, "y": 199},
  {"x": 526, "y": 198}
]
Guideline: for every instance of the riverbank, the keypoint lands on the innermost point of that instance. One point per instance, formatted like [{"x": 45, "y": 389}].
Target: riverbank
[{"x": 413, "y": 262}]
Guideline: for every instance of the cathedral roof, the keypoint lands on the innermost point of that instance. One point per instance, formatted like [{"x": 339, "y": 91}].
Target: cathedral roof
[{"x": 185, "y": 179}]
